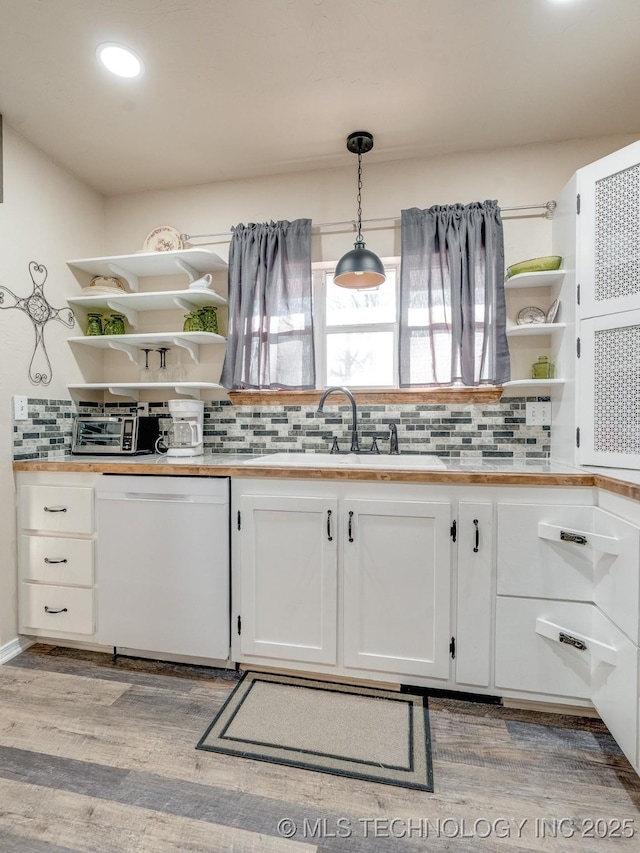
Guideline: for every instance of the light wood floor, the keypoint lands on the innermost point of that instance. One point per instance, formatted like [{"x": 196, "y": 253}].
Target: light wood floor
[{"x": 97, "y": 755}]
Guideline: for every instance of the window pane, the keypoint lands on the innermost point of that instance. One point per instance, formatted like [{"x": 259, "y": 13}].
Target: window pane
[
  {"x": 360, "y": 358},
  {"x": 348, "y": 307}
]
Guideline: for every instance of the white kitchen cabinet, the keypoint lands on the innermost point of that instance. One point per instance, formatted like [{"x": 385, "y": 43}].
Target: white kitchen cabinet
[
  {"x": 56, "y": 559},
  {"x": 136, "y": 304},
  {"x": 288, "y": 553},
  {"x": 396, "y": 583},
  {"x": 475, "y": 592},
  {"x": 573, "y": 553},
  {"x": 348, "y": 579},
  {"x": 568, "y": 610}
]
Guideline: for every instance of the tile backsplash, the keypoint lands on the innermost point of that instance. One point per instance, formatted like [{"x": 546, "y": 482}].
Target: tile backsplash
[{"x": 456, "y": 430}]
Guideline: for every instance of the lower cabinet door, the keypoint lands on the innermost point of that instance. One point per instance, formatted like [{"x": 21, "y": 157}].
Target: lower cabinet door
[
  {"x": 289, "y": 578},
  {"x": 530, "y": 656},
  {"x": 614, "y": 684},
  {"x": 59, "y": 609},
  {"x": 475, "y": 594},
  {"x": 397, "y": 586}
]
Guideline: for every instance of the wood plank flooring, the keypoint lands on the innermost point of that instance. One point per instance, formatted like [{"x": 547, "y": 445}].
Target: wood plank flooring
[{"x": 99, "y": 756}]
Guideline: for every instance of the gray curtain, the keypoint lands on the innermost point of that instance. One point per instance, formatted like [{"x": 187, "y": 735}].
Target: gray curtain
[
  {"x": 270, "y": 340},
  {"x": 452, "y": 306}
]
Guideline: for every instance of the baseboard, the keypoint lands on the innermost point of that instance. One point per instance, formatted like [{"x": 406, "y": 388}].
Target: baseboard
[
  {"x": 13, "y": 648},
  {"x": 550, "y": 708}
]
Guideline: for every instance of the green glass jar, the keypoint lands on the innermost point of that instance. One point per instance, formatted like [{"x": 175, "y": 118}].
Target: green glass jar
[
  {"x": 114, "y": 325},
  {"x": 543, "y": 368},
  {"x": 209, "y": 319},
  {"x": 193, "y": 322},
  {"x": 94, "y": 324}
]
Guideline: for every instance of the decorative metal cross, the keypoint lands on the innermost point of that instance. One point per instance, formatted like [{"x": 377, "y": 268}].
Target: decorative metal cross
[{"x": 40, "y": 312}]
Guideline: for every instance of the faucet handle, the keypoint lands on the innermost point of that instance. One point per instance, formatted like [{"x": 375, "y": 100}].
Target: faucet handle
[
  {"x": 374, "y": 446},
  {"x": 335, "y": 447}
]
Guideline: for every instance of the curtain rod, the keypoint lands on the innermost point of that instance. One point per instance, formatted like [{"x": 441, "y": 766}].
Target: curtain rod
[{"x": 548, "y": 207}]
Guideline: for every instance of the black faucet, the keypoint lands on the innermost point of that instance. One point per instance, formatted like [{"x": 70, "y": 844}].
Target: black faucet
[
  {"x": 355, "y": 447},
  {"x": 393, "y": 440}
]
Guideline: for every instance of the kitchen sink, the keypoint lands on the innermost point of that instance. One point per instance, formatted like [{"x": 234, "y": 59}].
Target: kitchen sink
[{"x": 348, "y": 460}]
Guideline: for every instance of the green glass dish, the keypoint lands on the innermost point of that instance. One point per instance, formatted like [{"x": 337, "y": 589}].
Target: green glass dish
[
  {"x": 209, "y": 319},
  {"x": 545, "y": 264},
  {"x": 94, "y": 324},
  {"x": 193, "y": 322},
  {"x": 114, "y": 325}
]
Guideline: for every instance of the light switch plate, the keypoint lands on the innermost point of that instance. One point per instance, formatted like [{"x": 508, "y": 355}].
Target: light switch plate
[
  {"x": 20, "y": 409},
  {"x": 539, "y": 414}
]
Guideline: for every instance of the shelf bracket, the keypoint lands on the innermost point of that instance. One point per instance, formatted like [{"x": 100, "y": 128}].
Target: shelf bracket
[
  {"x": 192, "y": 349},
  {"x": 133, "y": 393},
  {"x": 183, "y": 303},
  {"x": 121, "y": 272},
  {"x": 193, "y": 273},
  {"x": 131, "y": 351},
  {"x": 188, "y": 392},
  {"x": 129, "y": 313}
]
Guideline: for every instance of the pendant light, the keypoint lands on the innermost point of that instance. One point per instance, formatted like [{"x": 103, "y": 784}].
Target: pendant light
[{"x": 359, "y": 268}]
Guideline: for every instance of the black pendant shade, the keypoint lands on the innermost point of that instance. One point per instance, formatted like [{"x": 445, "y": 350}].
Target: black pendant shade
[{"x": 359, "y": 269}]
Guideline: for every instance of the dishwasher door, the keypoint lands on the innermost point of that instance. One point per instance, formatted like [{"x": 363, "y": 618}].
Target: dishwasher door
[{"x": 163, "y": 564}]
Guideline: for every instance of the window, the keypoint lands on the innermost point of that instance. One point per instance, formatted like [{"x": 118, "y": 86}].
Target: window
[{"x": 356, "y": 331}]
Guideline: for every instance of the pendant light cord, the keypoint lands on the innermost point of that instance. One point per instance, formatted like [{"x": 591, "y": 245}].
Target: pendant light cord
[{"x": 359, "y": 236}]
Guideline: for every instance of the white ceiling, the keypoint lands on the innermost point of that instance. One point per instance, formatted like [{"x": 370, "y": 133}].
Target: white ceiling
[{"x": 238, "y": 88}]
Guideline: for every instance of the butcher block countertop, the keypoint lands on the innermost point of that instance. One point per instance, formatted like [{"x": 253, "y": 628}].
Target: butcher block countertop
[{"x": 460, "y": 471}]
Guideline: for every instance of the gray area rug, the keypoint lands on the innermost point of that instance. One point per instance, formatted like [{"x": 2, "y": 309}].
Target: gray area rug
[{"x": 363, "y": 732}]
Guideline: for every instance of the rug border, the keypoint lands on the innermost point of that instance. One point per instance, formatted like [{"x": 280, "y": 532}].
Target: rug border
[{"x": 346, "y": 688}]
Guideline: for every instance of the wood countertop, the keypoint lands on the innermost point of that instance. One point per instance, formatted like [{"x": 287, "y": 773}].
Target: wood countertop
[{"x": 476, "y": 472}]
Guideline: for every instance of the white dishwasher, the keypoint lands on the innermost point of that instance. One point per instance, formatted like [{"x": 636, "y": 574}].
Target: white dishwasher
[{"x": 163, "y": 564}]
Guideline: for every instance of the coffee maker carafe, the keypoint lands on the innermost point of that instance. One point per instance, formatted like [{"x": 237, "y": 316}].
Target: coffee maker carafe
[{"x": 184, "y": 437}]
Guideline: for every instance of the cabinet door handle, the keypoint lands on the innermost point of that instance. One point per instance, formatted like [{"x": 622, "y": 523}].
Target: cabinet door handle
[
  {"x": 572, "y": 641},
  {"x": 350, "y": 526},
  {"x": 329, "y": 536},
  {"x": 53, "y": 562},
  {"x": 578, "y": 538},
  {"x": 49, "y": 610},
  {"x": 475, "y": 522},
  {"x": 55, "y": 509}
]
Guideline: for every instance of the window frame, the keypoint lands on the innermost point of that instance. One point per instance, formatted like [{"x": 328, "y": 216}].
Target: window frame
[{"x": 321, "y": 330}]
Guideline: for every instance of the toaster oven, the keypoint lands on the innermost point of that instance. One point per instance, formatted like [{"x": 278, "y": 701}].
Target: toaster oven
[{"x": 117, "y": 434}]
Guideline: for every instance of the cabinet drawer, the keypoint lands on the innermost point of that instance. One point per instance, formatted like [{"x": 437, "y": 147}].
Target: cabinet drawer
[
  {"x": 527, "y": 660},
  {"x": 57, "y": 559},
  {"x": 59, "y": 509},
  {"x": 578, "y": 553},
  {"x": 37, "y": 601}
]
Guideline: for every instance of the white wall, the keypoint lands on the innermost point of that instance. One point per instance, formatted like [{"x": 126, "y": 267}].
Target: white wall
[
  {"x": 47, "y": 216},
  {"x": 514, "y": 176}
]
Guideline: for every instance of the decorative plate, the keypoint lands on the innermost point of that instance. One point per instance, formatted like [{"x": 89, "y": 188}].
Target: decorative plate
[
  {"x": 551, "y": 313},
  {"x": 163, "y": 239},
  {"x": 531, "y": 314}
]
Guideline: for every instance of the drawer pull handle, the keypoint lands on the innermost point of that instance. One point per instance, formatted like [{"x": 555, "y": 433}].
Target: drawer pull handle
[
  {"x": 475, "y": 522},
  {"x": 53, "y": 562},
  {"x": 49, "y": 610},
  {"x": 578, "y": 538},
  {"x": 572, "y": 641},
  {"x": 55, "y": 509}
]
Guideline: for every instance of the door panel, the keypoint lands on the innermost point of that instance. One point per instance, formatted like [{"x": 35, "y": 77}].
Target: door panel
[
  {"x": 289, "y": 578},
  {"x": 396, "y": 586}
]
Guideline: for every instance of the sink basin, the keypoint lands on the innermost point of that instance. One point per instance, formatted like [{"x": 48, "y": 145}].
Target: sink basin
[{"x": 348, "y": 460}]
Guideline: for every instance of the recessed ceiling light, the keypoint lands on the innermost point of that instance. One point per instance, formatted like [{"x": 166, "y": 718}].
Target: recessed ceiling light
[{"x": 119, "y": 59}]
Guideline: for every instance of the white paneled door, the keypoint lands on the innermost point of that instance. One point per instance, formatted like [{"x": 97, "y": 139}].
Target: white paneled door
[{"x": 397, "y": 582}]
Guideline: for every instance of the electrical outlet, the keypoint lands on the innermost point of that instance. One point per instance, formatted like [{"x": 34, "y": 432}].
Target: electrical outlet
[
  {"x": 539, "y": 414},
  {"x": 20, "y": 409}
]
